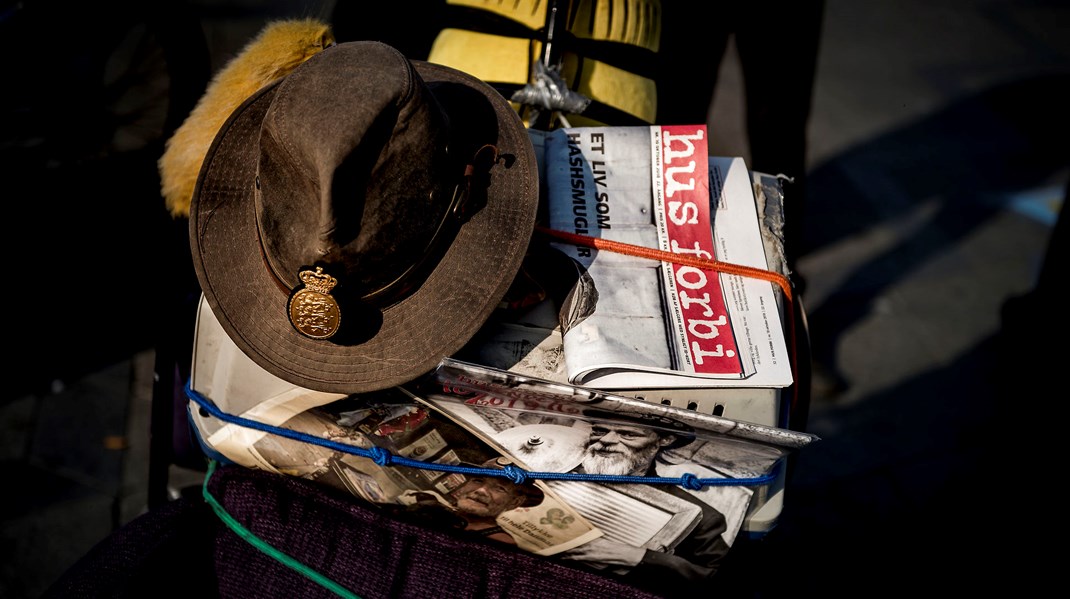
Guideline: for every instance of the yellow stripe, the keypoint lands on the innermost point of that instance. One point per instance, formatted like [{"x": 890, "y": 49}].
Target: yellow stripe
[
  {"x": 634, "y": 22},
  {"x": 491, "y": 58}
]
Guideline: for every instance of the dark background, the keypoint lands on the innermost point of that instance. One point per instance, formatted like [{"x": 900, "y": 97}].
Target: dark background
[{"x": 938, "y": 165}]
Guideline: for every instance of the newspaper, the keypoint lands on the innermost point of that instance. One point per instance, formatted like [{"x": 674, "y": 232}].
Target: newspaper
[
  {"x": 546, "y": 426},
  {"x": 632, "y": 323},
  {"x": 544, "y": 525},
  {"x": 390, "y": 420},
  {"x": 504, "y": 389}
]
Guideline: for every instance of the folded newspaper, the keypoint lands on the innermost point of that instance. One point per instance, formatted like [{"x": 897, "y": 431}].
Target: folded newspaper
[
  {"x": 633, "y": 323},
  {"x": 639, "y": 490}
]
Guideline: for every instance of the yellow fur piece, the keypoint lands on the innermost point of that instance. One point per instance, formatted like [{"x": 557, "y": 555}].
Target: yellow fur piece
[{"x": 276, "y": 51}]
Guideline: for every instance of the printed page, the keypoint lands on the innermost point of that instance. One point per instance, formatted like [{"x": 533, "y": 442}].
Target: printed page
[
  {"x": 616, "y": 312},
  {"x": 544, "y": 524},
  {"x": 633, "y": 323},
  {"x": 754, "y": 305},
  {"x": 586, "y": 435},
  {"x": 539, "y": 521},
  {"x": 509, "y": 390}
]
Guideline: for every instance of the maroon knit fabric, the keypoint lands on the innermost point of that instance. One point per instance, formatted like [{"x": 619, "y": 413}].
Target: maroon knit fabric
[{"x": 372, "y": 554}]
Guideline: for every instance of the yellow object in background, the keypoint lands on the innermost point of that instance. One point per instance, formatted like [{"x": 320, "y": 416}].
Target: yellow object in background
[{"x": 607, "y": 53}]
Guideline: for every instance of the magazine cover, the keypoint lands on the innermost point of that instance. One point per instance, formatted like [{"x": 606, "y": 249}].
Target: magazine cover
[{"x": 632, "y": 322}]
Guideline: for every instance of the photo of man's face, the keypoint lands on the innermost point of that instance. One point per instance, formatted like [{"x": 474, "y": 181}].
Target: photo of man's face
[
  {"x": 487, "y": 497},
  {"x": 620, "y": 449}
]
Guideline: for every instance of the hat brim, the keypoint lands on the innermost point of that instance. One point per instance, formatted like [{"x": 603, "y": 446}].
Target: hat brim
[{"x": 433, "y": 322}]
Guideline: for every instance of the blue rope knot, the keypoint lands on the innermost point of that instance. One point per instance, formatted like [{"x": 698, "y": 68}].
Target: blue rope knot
[
  {"x": 381, "y": 456},
  {"x": 691, "y": 482},
  {"x": 515, "y": 474}
]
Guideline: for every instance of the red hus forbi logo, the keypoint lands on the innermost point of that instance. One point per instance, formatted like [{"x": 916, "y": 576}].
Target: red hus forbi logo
[{"x": 708, "y": 345}]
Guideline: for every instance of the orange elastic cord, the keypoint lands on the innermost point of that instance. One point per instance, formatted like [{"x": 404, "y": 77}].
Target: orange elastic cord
[{"x": 697, "y": 262}]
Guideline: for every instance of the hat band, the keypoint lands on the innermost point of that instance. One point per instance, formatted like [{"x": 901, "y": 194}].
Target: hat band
[{"x": 455, "y": 213}]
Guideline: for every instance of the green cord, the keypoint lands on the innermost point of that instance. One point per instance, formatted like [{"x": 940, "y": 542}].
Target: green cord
[{"x": 266, "y": 547}]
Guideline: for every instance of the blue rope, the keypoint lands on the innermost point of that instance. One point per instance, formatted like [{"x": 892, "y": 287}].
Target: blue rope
[{"x": 382, "y": 457}]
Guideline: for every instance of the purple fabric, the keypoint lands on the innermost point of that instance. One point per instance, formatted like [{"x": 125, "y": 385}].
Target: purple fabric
[
  {"x": 371, "y": 553},
  {"x": 182, "y": 549}
]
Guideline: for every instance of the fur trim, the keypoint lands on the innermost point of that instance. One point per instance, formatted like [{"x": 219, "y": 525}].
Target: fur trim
[{"x": 276, "y": 51}]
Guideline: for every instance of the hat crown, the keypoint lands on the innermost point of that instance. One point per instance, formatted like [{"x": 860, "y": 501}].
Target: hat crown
[{"x": 353, "y": 171}]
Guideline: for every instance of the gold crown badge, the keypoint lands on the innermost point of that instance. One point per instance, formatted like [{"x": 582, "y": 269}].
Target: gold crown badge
[{"x": 312, "y": 310}]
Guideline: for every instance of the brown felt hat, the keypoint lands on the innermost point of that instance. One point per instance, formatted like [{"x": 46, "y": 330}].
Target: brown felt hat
[{"x": 360, "y": 219}]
